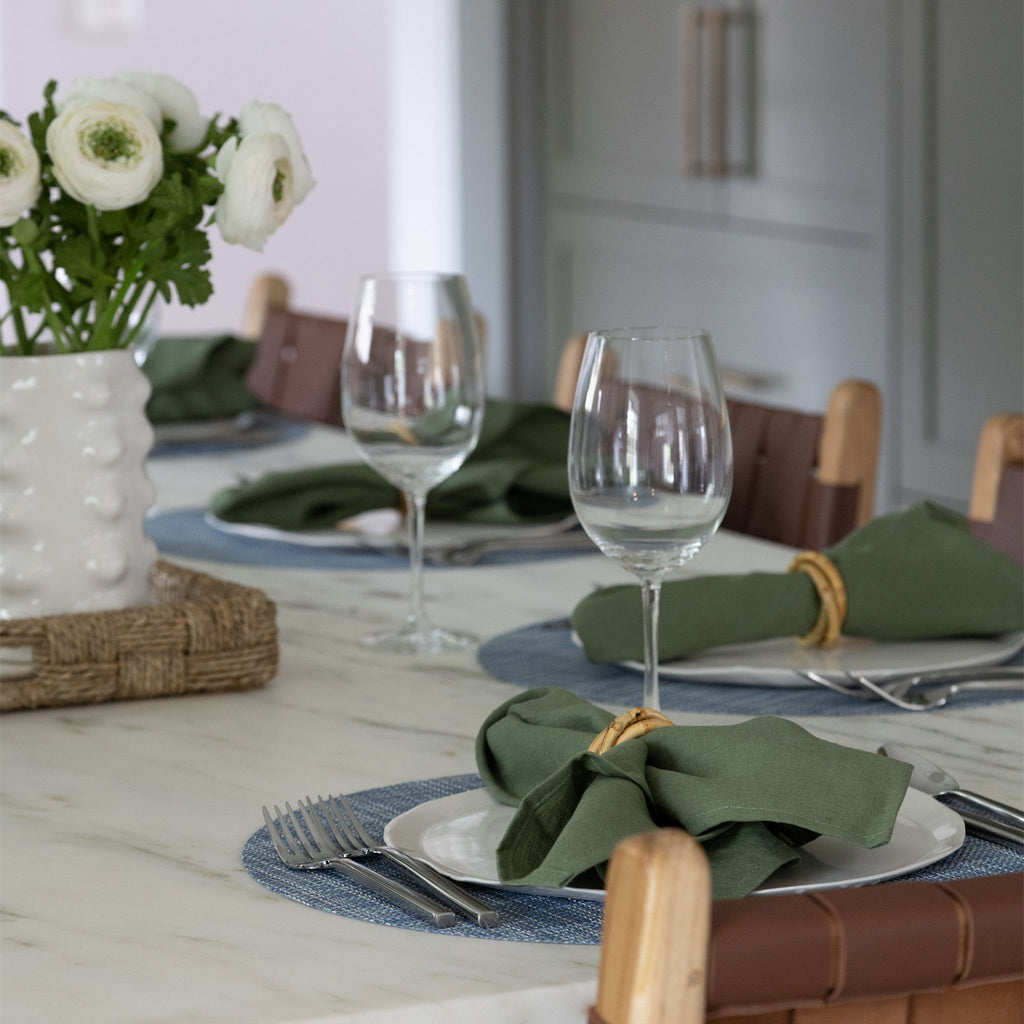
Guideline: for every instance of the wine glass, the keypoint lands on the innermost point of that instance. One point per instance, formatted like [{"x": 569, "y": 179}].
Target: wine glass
[
  {"x": 650, "y": 456},
  {"x": 412, "y": 395}
]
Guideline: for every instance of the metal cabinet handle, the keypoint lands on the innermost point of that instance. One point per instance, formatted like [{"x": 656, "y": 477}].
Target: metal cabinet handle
[{"x": 705, "y": 67}]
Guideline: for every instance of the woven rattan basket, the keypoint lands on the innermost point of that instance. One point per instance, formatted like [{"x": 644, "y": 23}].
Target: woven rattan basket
[{"x": 201, "y": 634}]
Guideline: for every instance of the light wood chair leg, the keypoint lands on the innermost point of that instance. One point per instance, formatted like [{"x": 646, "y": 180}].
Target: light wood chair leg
[
  {"x": 850, "y": 439},
  {"x": 656, "y": 924},
  {"x": 1001, "y": 444},
  {"x": 569, "y": 372},
  {"x": 267, "y": 291}
]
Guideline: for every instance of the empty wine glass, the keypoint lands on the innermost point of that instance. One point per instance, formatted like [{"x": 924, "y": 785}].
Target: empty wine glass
[
  {"x": 650, "y": 456},
  {"x": 412, "y": 400}
]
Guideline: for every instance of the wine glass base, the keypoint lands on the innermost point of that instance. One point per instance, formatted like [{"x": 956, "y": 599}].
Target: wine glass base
[{"x": 421, "y": 641}]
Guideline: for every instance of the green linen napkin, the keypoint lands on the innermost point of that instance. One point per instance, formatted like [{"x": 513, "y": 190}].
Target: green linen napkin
[
  {"x": 912, "y": 575},
  {"x": 198, "y": 377},
  {"x": 750, "y": 793},
  {"x": 516, "y": 473}
]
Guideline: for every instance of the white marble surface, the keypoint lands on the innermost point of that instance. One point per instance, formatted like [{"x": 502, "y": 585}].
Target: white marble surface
[{"x": 123, "y": 895}]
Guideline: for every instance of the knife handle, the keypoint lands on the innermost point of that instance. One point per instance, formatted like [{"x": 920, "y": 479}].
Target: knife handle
[
  {"x": 988, "y": 827},
  {"x": 402, "y": 895},
  {"x": 480, "y": 912},
  {"x": 985, "y": 803}
]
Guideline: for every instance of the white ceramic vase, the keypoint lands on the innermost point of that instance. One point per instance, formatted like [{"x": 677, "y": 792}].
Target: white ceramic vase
[{"x": 73, "y": 486}]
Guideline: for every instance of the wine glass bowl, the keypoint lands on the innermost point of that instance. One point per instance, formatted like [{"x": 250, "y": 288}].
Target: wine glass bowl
[
  {"x": 650, "y": 456},
  {"x": 412, "y": 401}
]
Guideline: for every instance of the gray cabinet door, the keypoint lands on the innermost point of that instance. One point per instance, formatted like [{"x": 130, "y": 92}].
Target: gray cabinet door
[
  {"x": 802, "y": 108},
  {"x": 961, "y": 320}
]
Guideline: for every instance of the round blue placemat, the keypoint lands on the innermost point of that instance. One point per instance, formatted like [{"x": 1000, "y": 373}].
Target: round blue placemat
[
  {"x": 524, "y": 917},
  {"x": 544, "y": 654},
  {"x": 267, "y": 429},
  {"x": 185, "y": 533}
]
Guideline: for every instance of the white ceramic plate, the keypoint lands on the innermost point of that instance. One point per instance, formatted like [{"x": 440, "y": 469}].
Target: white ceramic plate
[
  {"x": 778, "y": 662},
  {"x": 459, "y": 835},
  {"x": 383, "y": 528}
]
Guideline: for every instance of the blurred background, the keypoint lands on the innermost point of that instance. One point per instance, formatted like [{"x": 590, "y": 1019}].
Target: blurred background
[{"x": 832, "y": 187}]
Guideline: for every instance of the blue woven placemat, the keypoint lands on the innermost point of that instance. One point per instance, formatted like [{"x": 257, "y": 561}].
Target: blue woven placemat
[
  {"x": 269, "y": 429},
  {"x": 524, "y": 917},
  {"x": 544, "y": 654},
  {"x": 185, "y": 533}
]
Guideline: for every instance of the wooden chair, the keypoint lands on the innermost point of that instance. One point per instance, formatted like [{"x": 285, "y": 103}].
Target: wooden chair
[
  {"x": 900, "y": 953},
  {"x": 996, "y": 509},
  {"x": 296, "y": 368},
  {"x": 799, "y": 478},
  {"x": 268, "y": 291}
]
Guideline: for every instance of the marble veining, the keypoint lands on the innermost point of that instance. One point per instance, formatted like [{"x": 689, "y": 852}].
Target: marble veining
[{"x": 123, "y": 895}]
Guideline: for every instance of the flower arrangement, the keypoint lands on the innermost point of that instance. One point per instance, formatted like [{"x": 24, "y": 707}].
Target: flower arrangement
[{"x": 106, "y": 202}]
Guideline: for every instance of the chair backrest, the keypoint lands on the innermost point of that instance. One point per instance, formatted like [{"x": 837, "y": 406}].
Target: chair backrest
[
  {"x": 895, "y": 953},
  {"x": 805, "y": 479},
  {"x": 296, "y": 368},
  {"x": 997, "y": 495},
  {"x": 799, "y": 478},
  {"x": 267, "y": 291}
]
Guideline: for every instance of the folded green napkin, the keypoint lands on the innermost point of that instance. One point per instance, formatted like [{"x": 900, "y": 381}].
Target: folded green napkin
[
  {"x": 913, "y": 575},
  {"x": 198, "y": 377},
  {"x": 750, "y": 793},
  {"x": 516, "y": 473}
]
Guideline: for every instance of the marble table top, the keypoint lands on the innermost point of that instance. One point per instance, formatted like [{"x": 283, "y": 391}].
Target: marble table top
[{"x": 123, "y": 894}]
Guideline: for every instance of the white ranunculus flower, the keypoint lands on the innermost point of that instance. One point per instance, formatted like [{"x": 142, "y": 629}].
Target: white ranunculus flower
[
  {"x": 107, "y": 155},
  {"x": 177, "y": 103},
  {"x": 259, "y": 190},
  {"x": 269, "y": 117},
  {"x": 19, "y": 174},
  {"x": 85, "y": 91}
]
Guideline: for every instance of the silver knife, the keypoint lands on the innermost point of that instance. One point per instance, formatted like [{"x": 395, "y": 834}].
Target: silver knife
[{"x": 930, "y": 778}]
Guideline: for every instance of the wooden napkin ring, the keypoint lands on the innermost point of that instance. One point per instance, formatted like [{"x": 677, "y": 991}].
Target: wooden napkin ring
[
  {"x": 629, "y": 725},
  {"x": 832, "y": 594}
]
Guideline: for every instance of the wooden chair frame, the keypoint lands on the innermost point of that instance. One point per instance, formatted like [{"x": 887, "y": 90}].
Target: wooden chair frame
[
  {"x": 846, "y": 456},
  {"x": 903, "y": 953},
  {"x": 1001, "y": 444}
]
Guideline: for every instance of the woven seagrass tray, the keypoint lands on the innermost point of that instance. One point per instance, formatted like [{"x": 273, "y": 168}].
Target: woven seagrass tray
[{"x": 201, "y": 634}]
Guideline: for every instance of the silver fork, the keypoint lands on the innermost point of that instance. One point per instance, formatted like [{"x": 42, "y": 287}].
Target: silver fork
[
  {"x": 940, "y": 686},
  {"x": 298, "y": 849},
  {"x": 471, "y": 552},
  {"x": 902, "y": 694},
  {"x": 351, "y": 840}
]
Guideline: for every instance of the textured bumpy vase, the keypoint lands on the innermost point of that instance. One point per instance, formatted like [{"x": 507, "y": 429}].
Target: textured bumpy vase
[{"x": 73, "y": 485}]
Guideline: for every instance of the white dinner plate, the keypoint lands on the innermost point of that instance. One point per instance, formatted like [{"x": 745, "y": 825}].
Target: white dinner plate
[
  {"x": 779, "y": 662},
  {"x": 384, "y": 528},
  {"x": 459, "y": 836}
]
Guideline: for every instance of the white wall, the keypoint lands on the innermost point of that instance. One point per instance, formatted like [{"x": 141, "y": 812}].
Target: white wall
[{"x": 378, "y": 91}]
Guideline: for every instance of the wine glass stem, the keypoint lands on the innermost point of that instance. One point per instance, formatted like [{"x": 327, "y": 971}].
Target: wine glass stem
[
  {"x": 417, "y": 504},
  {"x": 650, "y": 591}
]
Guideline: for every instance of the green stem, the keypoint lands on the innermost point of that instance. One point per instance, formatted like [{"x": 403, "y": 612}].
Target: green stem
[
  {"x": 57, "y": 326},
  {"x": 102, "y": 335},
  {"x": 25, "y": 345}
]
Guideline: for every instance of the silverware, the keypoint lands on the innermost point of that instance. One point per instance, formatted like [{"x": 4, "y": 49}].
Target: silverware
[
  {"x": 470, "y": 552},
  {"x": 932, "y": 778},
  {"x": 297, "y": 847},
  {"x": 921, "y": 691},
  {"x": 927, "y": 776},
  {"x": 942, "y": 684},
  {"x": 350, "y": 839}
]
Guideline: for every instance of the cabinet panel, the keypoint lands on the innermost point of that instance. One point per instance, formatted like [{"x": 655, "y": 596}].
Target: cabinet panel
[
  {"x": 799, "y": 315},
  {"x": 810, "y": 74},
  {"x": 963, "y": 236}
]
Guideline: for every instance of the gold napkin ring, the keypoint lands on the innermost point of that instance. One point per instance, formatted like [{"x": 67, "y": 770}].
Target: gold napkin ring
[
  {"x": 629, "y": 725},
  {"x": 832, "y": 594}
]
